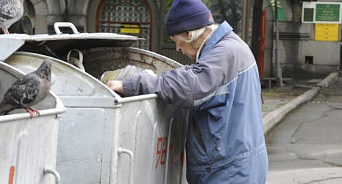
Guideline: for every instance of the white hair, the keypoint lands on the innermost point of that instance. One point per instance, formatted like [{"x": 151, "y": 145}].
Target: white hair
[{"x": 195, "y": 34}]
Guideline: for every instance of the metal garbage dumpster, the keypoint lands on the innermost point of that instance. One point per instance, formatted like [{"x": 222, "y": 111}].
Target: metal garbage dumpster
[
  {"x": 28, "y": 146},
  {"x": 104, "y": 138}
]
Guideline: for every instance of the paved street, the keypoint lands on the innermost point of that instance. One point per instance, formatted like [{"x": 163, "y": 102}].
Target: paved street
[{"x": 306, "y": 147}]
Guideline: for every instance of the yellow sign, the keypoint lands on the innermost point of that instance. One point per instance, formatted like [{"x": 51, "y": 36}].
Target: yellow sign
[
  {"x": 132, "y": 31},
  {"x": 326, "y": 32},
  {"x": 130, "y": 28}
]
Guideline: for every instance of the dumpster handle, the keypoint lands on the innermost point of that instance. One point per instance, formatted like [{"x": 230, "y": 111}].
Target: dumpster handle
[
  {"x": 48, "y": 170},
  {"x": 131, "y": 165},
  {"x": 64, "y": 24},
  {"x": 80, "y": 55},
  {"x": 76, "y": 62}
]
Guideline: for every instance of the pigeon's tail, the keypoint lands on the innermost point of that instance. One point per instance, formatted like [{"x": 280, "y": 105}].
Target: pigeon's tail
[{"x": 5, "y": 108}]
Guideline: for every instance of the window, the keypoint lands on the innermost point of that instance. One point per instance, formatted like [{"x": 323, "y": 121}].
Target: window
[{"x": 131, "y": 17}]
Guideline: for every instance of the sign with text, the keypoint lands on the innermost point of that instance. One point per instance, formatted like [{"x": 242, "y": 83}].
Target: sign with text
[
  {"x": 321, "y": 12},
  {"x": 130, "y": 28},
  {"x": 326, "y": 32},
  {"x": 328, "y": 13}
]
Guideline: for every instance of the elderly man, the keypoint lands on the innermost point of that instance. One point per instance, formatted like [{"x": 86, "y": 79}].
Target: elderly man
[{"x": 225, "y": 140}]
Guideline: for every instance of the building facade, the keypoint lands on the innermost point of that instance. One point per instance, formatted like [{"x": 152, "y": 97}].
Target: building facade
[
  {"x": 301, "y": 56},
  {"x": 142, "y": 18}
]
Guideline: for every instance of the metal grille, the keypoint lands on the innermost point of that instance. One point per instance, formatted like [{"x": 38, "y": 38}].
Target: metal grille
[{"x": 130, "y": 17}]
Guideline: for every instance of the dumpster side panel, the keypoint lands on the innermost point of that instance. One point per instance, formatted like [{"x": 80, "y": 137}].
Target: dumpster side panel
[
  {"x": 27, "y": 146},
  {"x": 154, "y": 132},
  {"x": 84, "y": 145}
]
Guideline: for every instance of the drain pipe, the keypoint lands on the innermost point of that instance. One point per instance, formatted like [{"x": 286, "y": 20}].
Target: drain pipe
[{"x": 279, "y": 80}]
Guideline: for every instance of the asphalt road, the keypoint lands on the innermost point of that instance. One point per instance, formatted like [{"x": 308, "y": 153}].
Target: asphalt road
[{"x": 306, "y": 147}]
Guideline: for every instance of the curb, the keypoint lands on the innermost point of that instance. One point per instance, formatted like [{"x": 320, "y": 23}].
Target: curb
[
  {"x": 273, "y": 118},
  {"x": 328, "y": 80}
]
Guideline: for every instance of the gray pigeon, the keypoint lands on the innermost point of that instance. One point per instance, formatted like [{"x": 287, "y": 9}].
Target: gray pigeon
[
  {"x": 10, "y": 12},
  {"x": 28, "y": 90}
]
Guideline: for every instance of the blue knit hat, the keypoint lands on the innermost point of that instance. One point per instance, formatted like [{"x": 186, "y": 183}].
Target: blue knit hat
[{"x": 187, "y": 15}]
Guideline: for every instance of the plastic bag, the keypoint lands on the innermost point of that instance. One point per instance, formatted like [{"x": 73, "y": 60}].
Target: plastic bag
[{"x": 120, "y": 74}]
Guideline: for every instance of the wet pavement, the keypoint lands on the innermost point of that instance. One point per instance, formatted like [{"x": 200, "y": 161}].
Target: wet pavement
[{"x": 306, "y": 145}]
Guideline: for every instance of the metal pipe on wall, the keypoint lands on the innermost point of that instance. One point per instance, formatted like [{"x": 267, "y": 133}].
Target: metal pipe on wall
[{"x": 279, "y": 81}]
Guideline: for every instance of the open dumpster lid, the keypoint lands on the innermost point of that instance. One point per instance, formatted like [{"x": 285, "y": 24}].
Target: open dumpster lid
[{"x": 59, "y": 44}]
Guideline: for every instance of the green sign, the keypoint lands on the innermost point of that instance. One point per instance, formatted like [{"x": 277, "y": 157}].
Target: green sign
[
  {"x": 281, "y": 12},
  {"x": 327, "y": 13}
]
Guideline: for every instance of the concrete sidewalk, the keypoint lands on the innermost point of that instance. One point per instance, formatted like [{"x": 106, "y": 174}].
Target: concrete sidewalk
[
  {"x": 306, "y": 145},
  {"x": 276, "y": 109}
]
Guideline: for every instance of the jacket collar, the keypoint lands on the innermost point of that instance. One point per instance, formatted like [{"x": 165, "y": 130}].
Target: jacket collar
[{"x": 223, "y": 30}]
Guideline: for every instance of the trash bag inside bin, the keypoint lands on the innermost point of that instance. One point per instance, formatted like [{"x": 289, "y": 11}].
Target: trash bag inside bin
[{"x": 120, "y": 74}]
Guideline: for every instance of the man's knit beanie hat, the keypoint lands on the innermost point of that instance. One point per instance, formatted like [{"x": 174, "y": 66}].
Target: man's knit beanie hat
[{"x": 187, "y": 15}]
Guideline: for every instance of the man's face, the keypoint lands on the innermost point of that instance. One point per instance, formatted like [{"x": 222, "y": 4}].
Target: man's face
[{"x": 185, "y": 47}]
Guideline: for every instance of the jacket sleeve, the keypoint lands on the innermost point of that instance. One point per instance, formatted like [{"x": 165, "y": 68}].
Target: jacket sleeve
[
  {"x": 181, "y": 86},
  {"x": 171, "y": 86}
]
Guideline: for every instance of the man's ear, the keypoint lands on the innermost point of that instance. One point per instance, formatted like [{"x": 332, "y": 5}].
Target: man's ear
[{"x": 186, "y": 35}]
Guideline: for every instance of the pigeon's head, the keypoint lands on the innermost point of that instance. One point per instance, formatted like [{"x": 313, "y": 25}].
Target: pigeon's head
[{"x": 44, "y": 70}]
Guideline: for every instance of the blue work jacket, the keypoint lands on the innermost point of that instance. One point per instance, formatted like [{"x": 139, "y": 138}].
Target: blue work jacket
[{"x": 225, "y": 139}]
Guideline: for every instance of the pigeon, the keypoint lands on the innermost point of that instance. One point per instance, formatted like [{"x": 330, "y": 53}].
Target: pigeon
[
  {"x": 10, "y": 12},
  {"x": 28, "y": 90}
]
